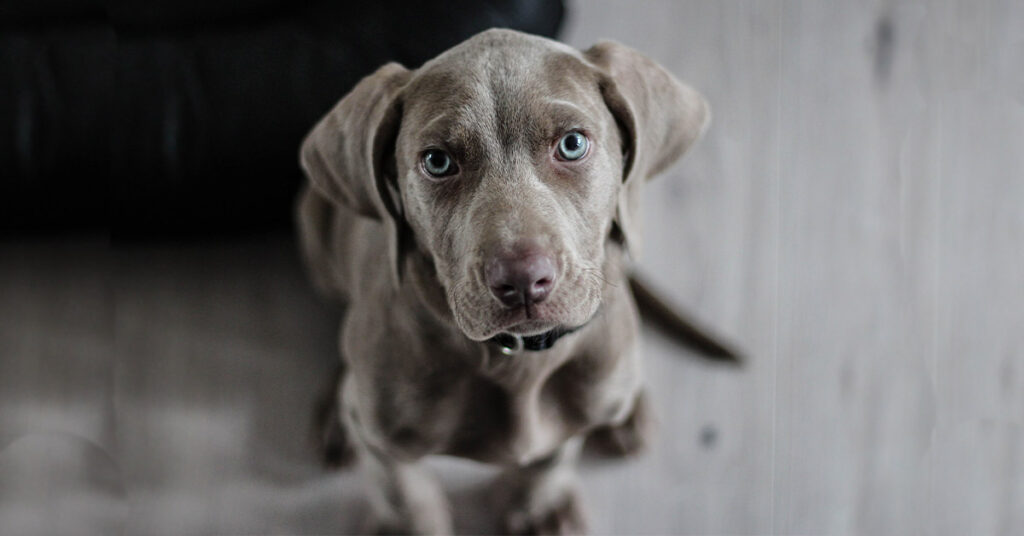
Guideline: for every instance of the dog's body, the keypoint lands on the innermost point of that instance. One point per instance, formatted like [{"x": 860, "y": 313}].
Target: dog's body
[
  {"x": 447, "y": 394},
  {"x": 518, "y": 238}
]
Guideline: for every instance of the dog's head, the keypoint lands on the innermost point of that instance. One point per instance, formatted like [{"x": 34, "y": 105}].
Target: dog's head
[{"x": 510, "y": 161}]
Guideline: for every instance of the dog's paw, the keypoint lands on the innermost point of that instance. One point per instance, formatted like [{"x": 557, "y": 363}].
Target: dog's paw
[
  {"x": 563, "y": 516},
  {"x": 616, "y": 442},
  {"x": 627, "y": 439}
]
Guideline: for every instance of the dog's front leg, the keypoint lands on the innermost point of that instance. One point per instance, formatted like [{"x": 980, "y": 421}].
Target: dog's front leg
[
  {"x": 543, "y": 497},
  {"x": 405, "y": 498}
]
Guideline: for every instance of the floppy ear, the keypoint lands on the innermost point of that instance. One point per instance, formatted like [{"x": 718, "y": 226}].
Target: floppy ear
[
  {"x": 659, "y": 117},
  {"x": 346, "y": 155}
]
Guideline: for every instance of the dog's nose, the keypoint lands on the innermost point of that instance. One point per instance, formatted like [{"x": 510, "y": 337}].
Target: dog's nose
[{"x": 520, "y": 280}]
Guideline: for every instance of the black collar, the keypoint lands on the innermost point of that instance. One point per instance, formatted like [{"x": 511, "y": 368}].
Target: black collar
[{"x": 510, "y": 344}]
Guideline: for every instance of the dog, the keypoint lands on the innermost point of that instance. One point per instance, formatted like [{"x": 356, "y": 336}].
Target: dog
[{"x": 475, "y": 217}]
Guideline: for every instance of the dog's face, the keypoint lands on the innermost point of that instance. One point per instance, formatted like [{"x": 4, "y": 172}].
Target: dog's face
[
  {"x": 498, "y": 161},
  {"x": 508, "y": 160}
]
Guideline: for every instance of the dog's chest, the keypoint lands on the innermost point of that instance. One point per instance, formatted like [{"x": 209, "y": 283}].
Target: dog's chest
[
  {"x": 473, "y": 402},
  {"x": 524, "y": 413}
]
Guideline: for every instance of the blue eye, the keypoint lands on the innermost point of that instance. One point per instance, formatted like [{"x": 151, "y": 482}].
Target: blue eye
[
  {"x": 573, "y": 146},
  {"x": 438, "y": 163}
]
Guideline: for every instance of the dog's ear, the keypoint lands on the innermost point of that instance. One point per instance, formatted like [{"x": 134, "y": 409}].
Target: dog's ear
[
  {"x": 659, "y": 118},
  {"x": 348, "y": 155}
]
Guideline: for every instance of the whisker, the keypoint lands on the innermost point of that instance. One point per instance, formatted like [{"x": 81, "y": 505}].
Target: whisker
[{"x": 599, "y": 274}]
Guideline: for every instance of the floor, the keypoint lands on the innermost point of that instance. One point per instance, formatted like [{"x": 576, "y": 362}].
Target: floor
[{"x": 854, "y": 220}]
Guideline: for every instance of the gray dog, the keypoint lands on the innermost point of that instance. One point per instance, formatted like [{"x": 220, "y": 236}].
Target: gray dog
[{"x": 473, "y": 216}]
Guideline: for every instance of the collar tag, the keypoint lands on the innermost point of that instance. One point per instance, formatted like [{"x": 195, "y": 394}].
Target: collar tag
[{"x": 517, "y": 346}]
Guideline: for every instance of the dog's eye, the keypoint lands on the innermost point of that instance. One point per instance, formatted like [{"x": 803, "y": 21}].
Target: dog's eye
[
  {"x": 573, "y": 146},
  {"x": 438, "y": 163}
]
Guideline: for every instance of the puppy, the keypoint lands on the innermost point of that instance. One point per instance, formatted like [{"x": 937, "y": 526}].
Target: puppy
[{"x": 473, "y": 216}]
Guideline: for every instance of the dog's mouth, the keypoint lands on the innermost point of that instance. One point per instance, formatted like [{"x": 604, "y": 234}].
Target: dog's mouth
[
  {"x": 530, "y": 326},
  {"x": 528, "y": 320}
]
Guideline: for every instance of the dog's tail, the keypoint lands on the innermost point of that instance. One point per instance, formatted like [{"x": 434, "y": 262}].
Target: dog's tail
[{"x": 679, "y": 326}]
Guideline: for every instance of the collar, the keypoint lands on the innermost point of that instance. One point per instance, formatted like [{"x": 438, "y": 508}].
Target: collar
[{"x": 510, "y": 344}]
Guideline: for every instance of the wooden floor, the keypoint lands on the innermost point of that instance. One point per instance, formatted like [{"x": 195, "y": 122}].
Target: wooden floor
[{"x": 854, "y": 220}]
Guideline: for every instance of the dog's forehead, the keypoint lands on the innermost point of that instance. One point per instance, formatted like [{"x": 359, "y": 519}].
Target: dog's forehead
[
  {"x": 499, "y": 69},
  {"x": 501, "y": 52}
]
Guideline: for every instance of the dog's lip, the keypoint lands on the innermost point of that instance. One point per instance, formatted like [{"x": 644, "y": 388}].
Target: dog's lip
[
  {"x": 537, "y": 326},
  {"x": 516, "y": 322},
  {"x": 529, "y": 327}
]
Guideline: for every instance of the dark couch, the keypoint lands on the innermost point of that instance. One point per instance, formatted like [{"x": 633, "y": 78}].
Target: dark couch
[{"x": 183, "y": 118}]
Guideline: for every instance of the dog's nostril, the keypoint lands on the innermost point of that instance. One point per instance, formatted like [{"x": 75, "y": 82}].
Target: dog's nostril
[{"x": 509, "y": 295}]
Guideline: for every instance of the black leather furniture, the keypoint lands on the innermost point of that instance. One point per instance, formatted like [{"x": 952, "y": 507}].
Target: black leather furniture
[{"x": 183, "y": 117}]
